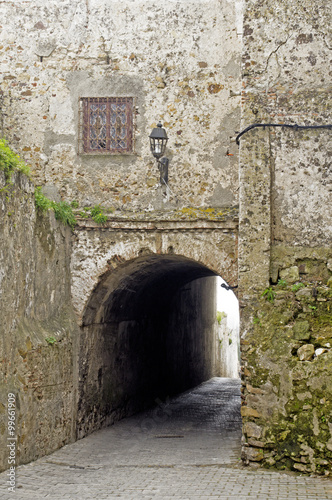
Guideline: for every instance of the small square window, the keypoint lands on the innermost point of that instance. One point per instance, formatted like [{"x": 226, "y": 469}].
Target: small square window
[{"x": 106, "y": 125}]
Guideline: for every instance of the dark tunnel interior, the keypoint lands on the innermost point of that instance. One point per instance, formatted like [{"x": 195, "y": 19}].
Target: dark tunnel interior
[{"x": 148, "y": 333}]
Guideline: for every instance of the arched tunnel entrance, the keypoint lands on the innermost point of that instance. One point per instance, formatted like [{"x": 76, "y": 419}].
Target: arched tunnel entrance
[{"x": 148, "y": 333}]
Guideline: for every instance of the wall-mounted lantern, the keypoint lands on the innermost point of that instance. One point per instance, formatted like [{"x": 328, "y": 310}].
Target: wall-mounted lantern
[{"x": 158, "y": 141}]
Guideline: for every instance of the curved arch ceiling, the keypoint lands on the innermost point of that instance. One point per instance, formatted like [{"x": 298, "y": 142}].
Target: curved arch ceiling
[{"x": 139, "y": 285}]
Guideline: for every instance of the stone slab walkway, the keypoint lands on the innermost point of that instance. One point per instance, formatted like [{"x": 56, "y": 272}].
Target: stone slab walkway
[{"x": 186, "y": 448}]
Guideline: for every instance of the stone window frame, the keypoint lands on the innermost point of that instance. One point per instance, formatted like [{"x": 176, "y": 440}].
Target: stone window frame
[{"x": 83, "y": 126}]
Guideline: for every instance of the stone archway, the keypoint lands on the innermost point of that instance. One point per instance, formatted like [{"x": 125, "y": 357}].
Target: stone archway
[
  {"x": 146, "y": 302},
  {"x": 97, "y": 250}
]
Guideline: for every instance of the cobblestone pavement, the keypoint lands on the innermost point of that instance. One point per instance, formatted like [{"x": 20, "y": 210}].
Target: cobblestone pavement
[{"x": 185, "y": 448}]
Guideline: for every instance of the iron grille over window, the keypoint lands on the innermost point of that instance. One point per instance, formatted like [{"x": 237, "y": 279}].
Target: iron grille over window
[{"x": 106, "y": 125}]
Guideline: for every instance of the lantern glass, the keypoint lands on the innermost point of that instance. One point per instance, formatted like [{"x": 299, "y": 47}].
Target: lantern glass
[{"x": 158, "y": 141}]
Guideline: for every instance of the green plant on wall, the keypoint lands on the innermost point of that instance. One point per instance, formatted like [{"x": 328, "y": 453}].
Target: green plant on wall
[
  {"x": 220, "y": 316},
  {"x": 97, "y": 214},
  {"x": 313, "y": 309},
  {"x": 51, "y": 340},
  {"x": 62, "y": 210},
  {"x": 297, "y": 287},
  {"x": 41, "y": 201},
  {"x": 85, "y": 213},
  {"x": 256, "y": 321},
  {"x": 10, "y": 161},
  {"x": 64, "y": 213},
  {"x": 269, "y": 294}
]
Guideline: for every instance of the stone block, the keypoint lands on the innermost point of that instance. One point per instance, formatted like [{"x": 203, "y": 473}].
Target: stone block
[
  {"x": 252, "y": 430},
  {"x": 320, "y": 351},
  {"x": 301, "y": 330},
  {"x": 274, "y": 272},
  {"x": 306, "y": 352},
  {"x": 249, "y": 412},
  {"x": 256, "y": 443},
  {"x": 304, "y": 293},
  {"x": 300, "y": 467},
  {"x": 254, "y": 390},
  {"x": 291, "y": 274},
  {"x": 252, "y": 454}
]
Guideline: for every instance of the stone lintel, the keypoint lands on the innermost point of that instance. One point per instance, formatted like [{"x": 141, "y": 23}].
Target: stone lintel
[{"x": 197, "y": 225}]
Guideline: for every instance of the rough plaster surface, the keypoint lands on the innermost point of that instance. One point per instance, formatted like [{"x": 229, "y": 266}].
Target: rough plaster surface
[
  {"x": 285, "y": 80},
  {"x": 228, "y": 349},
  {"x": 181, "y": 60},
  {"x": 302, "y": 189}
]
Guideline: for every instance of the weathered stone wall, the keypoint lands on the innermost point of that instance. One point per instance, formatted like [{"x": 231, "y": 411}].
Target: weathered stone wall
[
  {"x": 285, "y": 81},
  {"x": 287, "y": 386},
  {"x": 285, "y": 234},
  {"x": 228, "y": 345},
  {"x": 35, "y": 306},
  {"x": 190, "y": 338},
  {"x": 185, "y": 72},
  {"x": 180, "y": 59}
]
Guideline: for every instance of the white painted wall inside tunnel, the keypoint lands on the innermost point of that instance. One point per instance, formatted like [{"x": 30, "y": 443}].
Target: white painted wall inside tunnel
[{"x": 228, "y": 339}]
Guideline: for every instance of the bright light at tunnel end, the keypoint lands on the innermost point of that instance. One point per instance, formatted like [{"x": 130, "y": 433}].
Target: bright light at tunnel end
[{"x": 228, "y": 303}]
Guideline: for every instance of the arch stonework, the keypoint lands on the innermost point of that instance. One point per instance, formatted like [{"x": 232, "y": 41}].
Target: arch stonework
[
  {"x": 145, "y": 296},
  {"x": 98, "y": 250}
]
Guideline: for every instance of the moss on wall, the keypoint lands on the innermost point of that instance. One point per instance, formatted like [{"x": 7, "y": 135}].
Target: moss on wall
[{"x": 287, "y": 357}]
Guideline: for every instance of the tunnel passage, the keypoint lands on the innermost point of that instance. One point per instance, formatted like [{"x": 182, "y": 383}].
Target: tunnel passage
[{"x": 148, "y": 333}]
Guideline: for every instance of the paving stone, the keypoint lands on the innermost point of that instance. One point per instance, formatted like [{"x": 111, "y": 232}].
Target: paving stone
[{"x": 132, "y": 461}]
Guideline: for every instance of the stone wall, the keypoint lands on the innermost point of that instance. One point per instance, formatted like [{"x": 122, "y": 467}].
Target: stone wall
[
  {"x": 285, "y": 237},
  {"x": 287, "y": 359},
  {"x": 37, "y": 327},
  {"x": 228, "y": 344},
  {"x": 186, "y": 73},
  {"x": 191, "y": 350},
  {"x": 180, "y": 60}
]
